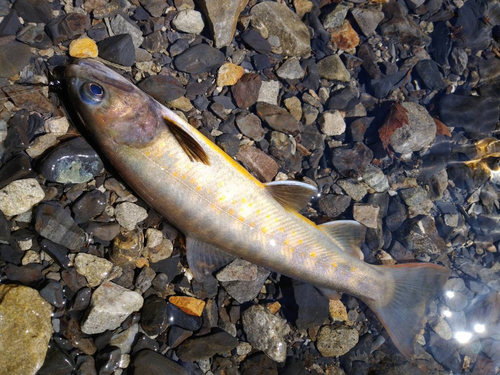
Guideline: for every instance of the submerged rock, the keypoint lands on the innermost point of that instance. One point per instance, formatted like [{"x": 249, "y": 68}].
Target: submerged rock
[
  {"x": 333, "y": 342},
  {"x": 204, "y": 347}
]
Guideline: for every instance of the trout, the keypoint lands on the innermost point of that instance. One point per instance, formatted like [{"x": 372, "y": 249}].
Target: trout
[{"x": 224, "y": 212}]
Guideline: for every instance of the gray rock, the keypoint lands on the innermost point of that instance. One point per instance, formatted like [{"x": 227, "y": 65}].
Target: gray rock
[
  {"x": 366, "y": 214},
  {"x": 353, "y": 189},
  {"x": 310, "y": 114},
  {"x": 37, "y": 11},
  {"x": 244, "y": 291},
  {"x": 120, "y": 25},
  {"x": 441, "y": 327},
  {"x": 162, "y": 87},
  {"x": 266, "y": 332},
  {"x": 238, "y": 270},
  {"x": 336, "y": 17},
  {"x": 283, "y": 23},
  {"x": 456, "y": 301},
  {"x": 199, "y": 59},
  {"x": 268, "y": 92},
  {"x": 14, "y": 56},
  {"x": 278, "y": 118},
  {"x": 291, "y": 69},
  {"x": 332, "y": 68},
  {"x": 200, "y": 348},
  {"x": 333, "y": 342},
  {"x": 110, "y": 305},
  {"x": 422, "y": 237},
  {"x": 20, "y": 196},
  {"x": 375, "y": 179},
  {"x": 189, "y": 21},
  {"x": 118, "y": 49},
  {"x": 332, "y": 123},
  {"x": 250, "y": 125},
  {"x": 95, "y": 269},
  {"x": 129, "y": 215},
  {"x": 334, "y": 205},
  {"x": 367, "y": 19},
  {"x": 413, "y": 196}
]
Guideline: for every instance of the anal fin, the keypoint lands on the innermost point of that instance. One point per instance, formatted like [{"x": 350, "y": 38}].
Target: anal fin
[
  {"x": 204, "y": 259},
  {"x": 348, "y": 234},
  {"x": 330, "y": 293},
  {"x": 294, "y": 195}
]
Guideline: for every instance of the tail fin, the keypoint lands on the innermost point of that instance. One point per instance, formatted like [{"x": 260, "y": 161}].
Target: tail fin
[{"x": 403, "y": 315}]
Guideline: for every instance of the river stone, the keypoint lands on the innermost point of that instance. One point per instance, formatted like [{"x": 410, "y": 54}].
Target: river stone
[
  {"x": 189, "y": 21},
  {"x": 118, "y": 49},
  {"x": 332, "y": 68},
  {"x": 38, "y": 11},
  {"x": 204, "y": 347},
  {"x": 111, "y": 304},
  {"x": 277, "y": 118},
  {"x": 333, "y": 342},
  {"x": 25, "y": 330},
  {"x": 20, "y": 196},
  {"x": 200, "y": 58},
  {"x": 120, "y": 25},
  {"x": 291, "y": 69},
  {"x": 258, "y": 162},
  {"x": 129, "y": 215},
  {"x": 283, "y": 23},
  {"x": 14, "y": 56},
  {"x": 222, "y": 17},
  {"x": 95, "y": 269}
]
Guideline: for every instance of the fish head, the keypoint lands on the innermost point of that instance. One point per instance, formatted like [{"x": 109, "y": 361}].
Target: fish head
[{"x": 112, "y": 109}]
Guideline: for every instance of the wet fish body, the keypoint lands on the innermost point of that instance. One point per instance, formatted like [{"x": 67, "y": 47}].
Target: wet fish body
[{"x": 225, "y": 212}]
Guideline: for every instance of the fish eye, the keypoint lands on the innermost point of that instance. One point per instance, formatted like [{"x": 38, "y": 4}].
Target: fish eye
[{"x": 91, "y": 92}]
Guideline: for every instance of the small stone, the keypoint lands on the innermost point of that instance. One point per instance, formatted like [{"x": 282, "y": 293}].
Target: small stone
[
  {"x": 441, "y": 327},
  {"x": 20, "y": 196},
  {"x": 375, "y": 179},
  {"x": 111, "y": 304},
  {"x": 127, "y": 247},
  {"x": 353, "y": 189},
  {"x": 200, "y": 58},
  {"x": 246, "y": 90},
  {"x": 14, "y": 56},
  {"x": 53, "y": 294},
  {"x": 66, "y": 27},
  {"x": 336, "y": 17},
  {"x": 154, "y": 316},
  {"x": 129, "y": 215},
  {"x": 332, "y": 123},
  {"x": 266, "y": 332},
  {"x": 154, "y": 7},
  {"x": 189, "y": 305},
  {"x": 41, "y": 144},
  {"x": 204, "y": 347},
  {"x": 229, "y": 74},
  {"x": 268, "y": 92},
  {"x": 107, "y": 360},
  {"x": 312, "y": 306},
  {"x": 352, "y": 162},
  {"x": 163, "y": 88},
  {"x": 189, "y": 21},
  {"x": 256, "y": 41},
  {"x": 333, "y": 342},
  {"x": 244, "y": 291},
  {"x": 294, "y": 106},
  {"x": 332, "y": 68},
  {"x": 182, "y": 103},
  {"x": 150, "y": 362},
  {"x": 302, "y": 7},
  {"x": 238, "y": 270},
  {"x": 83, "y": 48},
  {"x": 291, "y": 69},
  {"x": 278, "y": 118},
  {"x": 422, "y": 237},
  {"x": 120, "y": 25},
  {"x": 366, "y": 214},
  {"x": 57, "y": 125},
  {"x": 337, "y": 310},
  {"x": 118, "y": 49},
  {"x": 159, "y": 252},
  {"x": 334, "y": 205},
  {"x": 428, "y": 72},
  {"x": 103, "y": 231},
  {"x": 250, "y": 125},
  {"x": 27, "y": 315},
  {"x": 344, "y": 36},
  {"x": 37, "y": 11},
  {"x": 17, "y": 168},
  {"x": 31, "y": 257},
  {"x": 367, "y": 19},
  {"x": 95, "y": 269},
  {"x": 258, "y": 162},
  {"x": 89, "y": 205},
  {"x": 57, "y": 361},
  {"x": 10, "y": 24}
]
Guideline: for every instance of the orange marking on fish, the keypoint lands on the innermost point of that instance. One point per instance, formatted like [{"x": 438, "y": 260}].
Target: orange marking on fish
[
  {"x": 243, "y": 200},
  {"x": 192, "y": 180},
  {"x": 231, "y": 211},
  {"x": 176, "y": 174},
  {"x": 353, "y": 269},
  {"x": 184, "y": 177},
  {"x": 286, "y": 242},
  {"x": 234, "y": 201},
  {"x": 241, "y": 218},
  {"x": 281, "y": 229},
  {"x": 252, "y": 224},
  {"x": 264, "y": 230},
  {"x": 334, "y": 264},
  {"x": 313, "y": 254},
  {"x": 221, "y": 199},
  {"x": 250, "y": 204},
  {"x": 198, "y": 188},
  {"x": 220, "y": 184},
  {"x": 301, "y": 242},
  {"x": 257, "y": 212}
]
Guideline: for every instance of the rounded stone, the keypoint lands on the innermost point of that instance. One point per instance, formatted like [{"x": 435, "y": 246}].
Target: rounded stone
[
  {"x": 333, "y": 342},
  {"x": 189, "y": 21},
  {"x": 83, "y": 48},
  {"x": 229, "y": 74},
  {"x": 95, "y": 269},
  {"x": 20, "y": 196},
  {"x": 129, "y": 214}
]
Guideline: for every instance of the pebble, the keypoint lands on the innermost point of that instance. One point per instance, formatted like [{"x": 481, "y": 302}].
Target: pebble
[
  {"x": 129, "y": 215},
  {"x": 14, "y": 56},
  {"x": 353, "y": 189},
  {"x": 332, "y": 68},
  {"x": 204, "y": 347},
  {"x": 246, "y": 90},
  {"x": 294, "y": 106},
  {"x": 154, "y": 316},
  {"x": 198, "y": 59},
  {"x": 332, "y": 123},
  {"x": 179, "y": 318},
  {"x": 336, "y": 17},
  {"x": 223, "y": 16},
  {"x": 10, "y": 24},
  {"x": 34, "y": 36},
  {"x": 258, "y": 162},
  {"x": 41, "y": 144},
  {"x": 89, "y": 205},
  {"x": 256, "y": 41},
  {"x": 367, "y": 19},
  {"x": 127, "y": 247},
  {"x": 107, "y": 360},
  {"x": 283, "y": 23},
  {"x": 37, "y": 11},
  {"x": 312, "y": 306},
  {"x": 366, "y": 214},
  {"x": 291, "y": 69},
  {"x": 352, "y": 162},
  {"x": 103, "y": 231},
  {"x": 27, "y": 314},
  {"x": 428, "y": 72},
  {"x": 375, "y": 178},
  {"x": 441, "y": 327},
  {"x": 334, "y": 205},
  {"x": 278, "y": 118},
  {"x": 337, "y": 310},
  {"x": 118, "y": 49},
  {"x": 17, "y": 168},
  {"x": 110, "y": 305},
  {"x": 95, "y": 269},
  {"x": 333, "y": 342},
  {"x": 238, "y": 270},
  {"x": 344, "y": 37},
  {"x": 57, "y": 361},
  {"x": 53, "y": 294},
  {"x": 229, "y": 74},
  {"x": 57, "y": 125},
  {"x": 190, "y": 305},
  {"x": 150, "y": 362},
  {"x": 162, "y": 87},
  {"x": 120, "y": 25},
  {"x": 250, "y": 125},
  {"x": 189, "y": 21},
  {"x": 66, "y": 27},
  {"x": 268, "y": 92},
  {"x": 83, "y": 48},
  {"x": 266, "y": 332},
  {"x": 73, "y": 161},
  {"x": 244, "y": 291},
  {"x": 20, "y": 196},
  {"x": 423, "y": 238}
]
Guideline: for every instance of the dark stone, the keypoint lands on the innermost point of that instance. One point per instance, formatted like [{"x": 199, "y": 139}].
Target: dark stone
[
  {"x": 199, "y": 59},
  {"x": 395, "y": 215},
  {"x": 401, "y": 26},
  {"x": 70, "y": 328},
  {"x": 38, "y": 11},
  {"x": 163, "y": 88},
  {"x": 98, "y": 32},
  {"x": 17, "y": 133},
  {"x": 261, "y": 62},
  {"x": 441, "y": 44},
  {"x": 24, "y": 235},
  {"x": 178, "y": 47},
  {"x": 103, "y": 231},
  {"x": 4, "y": 7},
  {"x": 34, "y": 36},
  {"x": 195, "y": 349},
  {"x": 17, "y": 168},
  {"x": 177, "y": 335},
  {"x": 150, "y": 362},
  {"x": 71, "y": 162},
  {"x": 259, "y": 364},
  {"x": 89, "y": 205},
  {"x": 177, "y": 317},
  {"x": 4, "y": 228},
  {"x": 10, "y": 24},
  {"x": 107, "y": 360},
  {"x": 56, "y": 224},
  {"x": 428, "y": 72},
  {"x": 66, "y": 27},
  {"x": 313, "y": 306},
  {"x": 229, "y": 143},
  {"x": 144, "y": 342},
  {"x": 244, "y": 291},
  {"x": 140, "y": 14},
  {"x": 57, "y": 361},
  {"x": 195, "y": 88},
  {"x": 474, "y": 35},
  {"x": 278, "y": 118},
  {"x": 154, "y": 42},
  {"x": 256, "y": 41},
  {"x": 53, "y": 294},
  {"x": 422, "y": 238},
  {"x": 154, "y": 316},
  {"x": 201, "y": 102},
  {"x": 169, "y": 266},
  {"x": 250, "y": 125},
  {"x": 246, "y": 90},
  {"x": 334, "y": 205},
  {"x": 358, "y": 128},
  {"x": 446, "y": 353},
  {"x": 85, "y": 365},
  {"x": 225, "y": 101},
  {"x": 14, "y": 56},
  {"x": 73, "y": 279},
  {"x": 344, "y": 99},
  {"x": 312, "y": 78},
  {"x": 312, "y": 139},
  {"x": 82, "y": 299},
  {"x": 118, "y": 49},
  {"x": 31, "y": 274},
  {"x": 352, "y": 162},
  {"x": 11, "y": 255}
]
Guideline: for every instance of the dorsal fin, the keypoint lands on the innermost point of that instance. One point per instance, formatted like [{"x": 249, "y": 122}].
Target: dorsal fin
[
  {"x": 204, "y": 259},
  {"x": 293, "y": 195},
  {"x": 190, "y": 145},
  {"x": 348, "y": 234}
]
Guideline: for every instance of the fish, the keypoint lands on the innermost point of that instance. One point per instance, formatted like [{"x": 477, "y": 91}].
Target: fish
[{"x": 226, "y": 213}]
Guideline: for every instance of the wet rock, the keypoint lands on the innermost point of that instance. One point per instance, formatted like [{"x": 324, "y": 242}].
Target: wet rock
[
  {"x": 179, "y": 318},
  {"x": 256, "y": 41},
  {"x": 154, "y": 316},
  {"x": 278, "y": 118},
  {"x": 71, "y": 162},
  {"x": 53, "y": 294},
  {"x": 189, "y": 21},
  {"x": 333, "y": 342},
  {"x": 294, "y": 106},
  {"x": 148, "y": 362},
  {"x": 196, "y": 349},
  {"x": 118, "y": 49},
  {"x": 222, "y": 16},
  {"x": 199, "y": 59},
  {"x": 177, "y": 335},
  {"x": 37, "y": 11},
  {"x": 129, "y": 215},
  {"x": 353, "y": 189},
  {"x": 17, "y": 168},
  {"x": 66, "y": 27},
  {"x": 458, "y": 60},
  {"x": 367, "y": 19},
  {"x": 268, "y": 92},
  {"x": 366, "y": 214},
  {"x": 127, "y": 247},
  {"x": 125, "y": 339},
  {"x": 336, "y": 17},
  {"x": 283, "y": 23},
  {"x": 229, "y": 74},
  {"x": 332, "y": 123},
  {"x": 57, "y": 361},
  {"x": 344, "y": 37},
  {"x": 246, "y": 90},
  {"x": 332, "y": 68},
  {"x": 244, "y": 291},
  {"x": 441, "y": 327},
  {"x": 89, "y": 205},
  {"x": 41, "y": 144},
  {"x": 163, "y": 88},
  {"x": 82, "y": 299},
  {"x": 111, "y": 304},
  {"x": 103, "y": 231},
  {"x": 250, "y": 125},
  {"x": 352, "y": 162},
  {"x": 313, "y": 306},
  {"x": 34, "y": 36},
  {"x": 70, "y": 328},
  {"x": 229, "y": 143},
  {"x": 120, "y": 25},
  {"x": 107, "y": 360},
  {"x": 29, "y": 274},
  {"x": 14, "y": 56},
  {"x": 422, "y": 237},
  {"x": 428, "y": 72},
  {"x": 95, "y": 269},
  {"x": 27, "y": 315},
  {"x": 190, "y": 305},
  {"x": 266, "y": 332},
  {"x": 238, "y": 270},
  {"x": 374, "y": 177},
  {"x": 261, "y": 62},
  {"x": 10, "y": 24},
  {"x": 334, "y": 205},
  {"x": 258, "y": 162},
  {"x": 291, "y": 69},
  {"x": 20, "y": 196},
  {"x": 83, "y": 48},
  {"x": 57, "y": 225}
]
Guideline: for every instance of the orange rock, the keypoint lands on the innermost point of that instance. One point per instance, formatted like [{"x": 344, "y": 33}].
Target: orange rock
[
  {"x": 274, "y": 307},
  {"x": 229, "y": 74},
  {"x": 344, "y": 36},
  {"x": 189, "y": 305},
  {"x": 337, "y": 310},
  {"x": 83, "y": 48}
]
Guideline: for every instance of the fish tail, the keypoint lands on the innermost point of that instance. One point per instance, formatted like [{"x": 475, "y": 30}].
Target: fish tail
[{"x": 403, "y": 313}]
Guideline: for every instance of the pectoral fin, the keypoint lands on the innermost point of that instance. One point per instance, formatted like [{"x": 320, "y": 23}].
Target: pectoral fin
[
  {"x": 293, "y": 195},
  {"x": 348, "y": 234},
  {"x": 204, "y": 258},
  {"x": 191, "y": 147}
]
